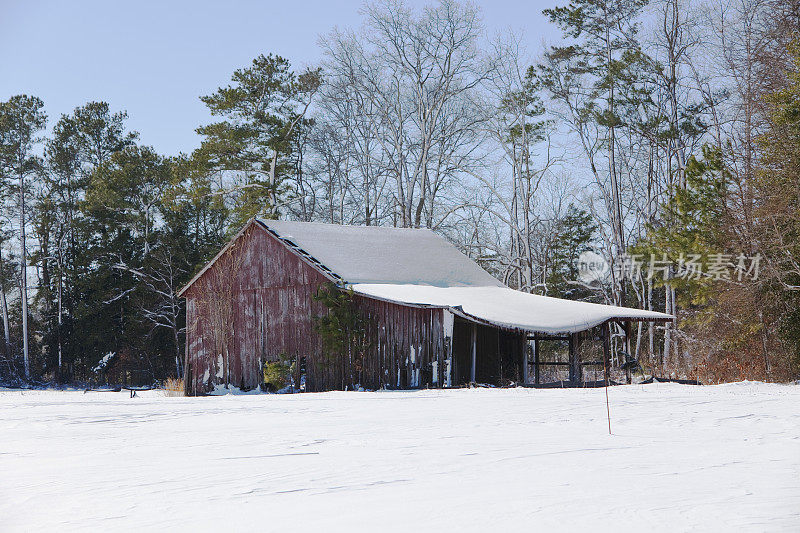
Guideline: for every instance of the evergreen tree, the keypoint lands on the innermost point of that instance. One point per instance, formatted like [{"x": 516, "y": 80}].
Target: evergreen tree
[
  {"x": 342, "y": 330},
  {"x": 81, "y": 142},
  {"x": 692, "y": 227},
  {"x": 778, "y": 186},
  {"x": 594, "y": 78},
  {"x": 22, "y": 117},
  {"x": 574, "y": 235},
  {"x": 123, "y": 214},
  {"x": 249, "y": 149}
]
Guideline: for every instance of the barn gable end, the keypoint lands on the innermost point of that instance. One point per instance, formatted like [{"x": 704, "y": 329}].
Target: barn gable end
[{"x": 269, "y": 291}]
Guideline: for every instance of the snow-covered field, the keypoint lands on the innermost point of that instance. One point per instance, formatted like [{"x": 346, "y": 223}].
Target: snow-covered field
[{"x": 681, "y": 458}]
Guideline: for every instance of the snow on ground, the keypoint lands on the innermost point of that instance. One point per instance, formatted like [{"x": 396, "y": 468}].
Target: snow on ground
[{"x": 681, "y": 458}]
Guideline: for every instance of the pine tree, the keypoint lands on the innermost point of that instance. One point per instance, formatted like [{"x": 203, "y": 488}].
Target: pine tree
[
  {"x": 778, "y": 185},
  {"x": 21, "y": 119},
  {"x": 249, "y": 149},
  {"x": 592, "y": 78},
  {"x": 342, "y": 330},
  {"x": 80, "y": 143},
  {"x": 692, "y": 226},
  {"x": 574, "y": 235}
]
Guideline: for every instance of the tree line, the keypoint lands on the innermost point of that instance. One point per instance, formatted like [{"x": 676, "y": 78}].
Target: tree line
[{"x": 662, "y": 131}]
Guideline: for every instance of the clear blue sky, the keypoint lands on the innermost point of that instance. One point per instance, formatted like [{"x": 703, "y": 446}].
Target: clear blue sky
[{"x": 155, "y": 58}]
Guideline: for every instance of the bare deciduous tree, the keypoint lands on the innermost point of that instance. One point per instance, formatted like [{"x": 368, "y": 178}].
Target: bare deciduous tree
[{"x": 409, "y": 112}]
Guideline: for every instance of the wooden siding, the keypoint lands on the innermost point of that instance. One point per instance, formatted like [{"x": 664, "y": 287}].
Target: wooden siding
[
  {"x": 271, "y": 315},
  {"x": 408, "y": 348}
]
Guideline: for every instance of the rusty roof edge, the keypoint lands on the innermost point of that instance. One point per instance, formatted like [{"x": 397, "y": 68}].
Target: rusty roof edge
[{"x": 304, "y": 256}]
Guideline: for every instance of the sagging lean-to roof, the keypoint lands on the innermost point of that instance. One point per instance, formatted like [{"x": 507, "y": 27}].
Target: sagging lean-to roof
[{"x": 417, "y": 267}]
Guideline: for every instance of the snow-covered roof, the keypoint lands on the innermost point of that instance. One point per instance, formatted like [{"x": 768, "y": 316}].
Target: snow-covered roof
[
  {"x": 507, "y": 307},
  {"x": 377, "y": 254},
  {"x": 418, "y": 267}
]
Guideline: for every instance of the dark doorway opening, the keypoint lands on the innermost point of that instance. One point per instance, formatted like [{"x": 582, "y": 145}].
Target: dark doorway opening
[{"x": 498, "y": 354}]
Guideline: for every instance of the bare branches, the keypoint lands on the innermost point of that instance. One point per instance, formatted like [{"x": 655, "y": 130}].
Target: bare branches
[{"x": 401, "y": 95}]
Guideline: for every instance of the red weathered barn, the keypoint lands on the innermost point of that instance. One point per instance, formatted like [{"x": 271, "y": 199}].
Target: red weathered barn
[{"x": 433, "y": 317}]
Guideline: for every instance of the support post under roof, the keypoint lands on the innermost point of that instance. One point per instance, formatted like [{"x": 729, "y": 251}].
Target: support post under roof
[{"x": 474, "y": 351}]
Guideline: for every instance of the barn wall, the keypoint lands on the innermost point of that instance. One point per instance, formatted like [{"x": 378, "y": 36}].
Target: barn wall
[
  {"x": 408, "y": 345},
  {"x": 272, "y": 317}
]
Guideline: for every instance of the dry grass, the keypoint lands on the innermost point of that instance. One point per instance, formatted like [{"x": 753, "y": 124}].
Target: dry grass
[{"x": 173, "y": 387}]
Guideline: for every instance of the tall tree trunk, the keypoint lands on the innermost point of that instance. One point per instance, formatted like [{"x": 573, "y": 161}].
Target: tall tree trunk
[
  {"x": 764, "y": 344},
  {"x": 24, "y": 275},
  {"x": 651, "y": 332},
  {"x": 669, "y": 308},
  {"x": 616, "y": 197},
  {"x": 176, "y": 338},
  {"x": 60, "y": 314},
  {"x": 6, "y": 330},
  {"x": 4, "y": 309}
]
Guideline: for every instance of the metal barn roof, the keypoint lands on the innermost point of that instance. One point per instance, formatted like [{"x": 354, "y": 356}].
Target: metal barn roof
[{"x": 377, "y": 254}]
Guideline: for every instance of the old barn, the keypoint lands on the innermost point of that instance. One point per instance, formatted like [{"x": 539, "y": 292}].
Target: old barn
[{"x": 429, "y": 316}]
